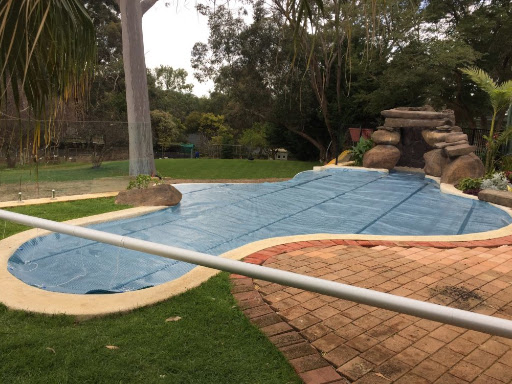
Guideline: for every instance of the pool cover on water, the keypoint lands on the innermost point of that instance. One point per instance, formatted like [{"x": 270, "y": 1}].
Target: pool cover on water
[{"x": 215, "y": 218}]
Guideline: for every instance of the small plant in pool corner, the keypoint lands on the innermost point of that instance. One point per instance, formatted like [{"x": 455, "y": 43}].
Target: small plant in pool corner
[
  {"x": 470, "y": 186},
  {"x": 358, "y": 151},
  {"x": 142, "y": 182}
]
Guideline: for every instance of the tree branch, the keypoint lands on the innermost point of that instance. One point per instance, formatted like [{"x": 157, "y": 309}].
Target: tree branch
[{"x": 145, "y": 5}]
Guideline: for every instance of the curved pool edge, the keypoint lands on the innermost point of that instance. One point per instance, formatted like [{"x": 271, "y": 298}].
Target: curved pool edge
[{"x": 17, "y": 295}]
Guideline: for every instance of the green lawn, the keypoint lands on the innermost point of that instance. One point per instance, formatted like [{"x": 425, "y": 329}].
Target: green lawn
[
  {"x": 206, "y": 169},
  {"x": 212, "y": 343}
]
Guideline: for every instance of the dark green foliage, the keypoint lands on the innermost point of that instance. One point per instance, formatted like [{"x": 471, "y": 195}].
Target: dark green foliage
[
  {"x": 469, "y": 184},
  {"x": 358, "y": 151}
]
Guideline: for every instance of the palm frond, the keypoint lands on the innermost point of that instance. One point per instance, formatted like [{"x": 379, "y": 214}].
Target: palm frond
[
  {"x": 47, "y": 50},
  {"x": 481, "y": 78}
]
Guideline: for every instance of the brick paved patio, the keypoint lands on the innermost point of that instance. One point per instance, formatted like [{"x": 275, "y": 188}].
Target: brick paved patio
[{"x": 329, "y": 340}]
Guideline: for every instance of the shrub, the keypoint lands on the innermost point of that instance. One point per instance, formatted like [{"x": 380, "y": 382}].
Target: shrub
[
  {"x": 497, "y": 181},
  {"x": 358, "y": 151},
  {"x": 140, "y": 182},
  {"x": 469, "y": 183}
]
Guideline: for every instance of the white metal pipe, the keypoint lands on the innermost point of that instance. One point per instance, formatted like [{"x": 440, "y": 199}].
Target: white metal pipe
[{"x": 457, "y": 317}]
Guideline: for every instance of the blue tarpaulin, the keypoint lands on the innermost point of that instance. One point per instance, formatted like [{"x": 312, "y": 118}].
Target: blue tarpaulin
[{"x": 215, "y": 218}]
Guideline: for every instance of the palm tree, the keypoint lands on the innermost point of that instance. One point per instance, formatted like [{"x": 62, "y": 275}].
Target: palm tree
[
  {"x": 500, "y": 96},
  {"x": 47, "y": 50}
]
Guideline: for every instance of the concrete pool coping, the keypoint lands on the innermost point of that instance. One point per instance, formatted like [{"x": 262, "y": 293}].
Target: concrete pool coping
[{"x": 15, "y": 294}]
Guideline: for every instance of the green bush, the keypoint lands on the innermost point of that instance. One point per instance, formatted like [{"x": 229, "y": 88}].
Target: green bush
[
  {"x": 140, "y": 182},
  {"x": 468, "y": 184},
  {"x": 358, "y": 151}
]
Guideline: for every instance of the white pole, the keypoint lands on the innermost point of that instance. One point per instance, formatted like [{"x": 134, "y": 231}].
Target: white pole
[{"x": 457, "y": 317}]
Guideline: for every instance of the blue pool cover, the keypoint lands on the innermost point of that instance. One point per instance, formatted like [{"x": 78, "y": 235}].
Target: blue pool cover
[{"x": 215, "y": 218}]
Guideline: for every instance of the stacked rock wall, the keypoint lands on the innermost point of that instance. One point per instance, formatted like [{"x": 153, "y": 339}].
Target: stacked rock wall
[{"x": 444, "y": 148}]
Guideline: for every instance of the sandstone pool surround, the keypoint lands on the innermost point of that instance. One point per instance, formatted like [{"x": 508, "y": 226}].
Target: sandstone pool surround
[{"x": 15, "y": 294}]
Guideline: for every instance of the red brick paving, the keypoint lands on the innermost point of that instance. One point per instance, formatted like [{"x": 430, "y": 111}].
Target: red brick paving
[{"x": 329, "y": 340}]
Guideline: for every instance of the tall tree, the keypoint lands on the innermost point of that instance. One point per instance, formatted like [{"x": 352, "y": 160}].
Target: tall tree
[{"x": 142, "y": 160}]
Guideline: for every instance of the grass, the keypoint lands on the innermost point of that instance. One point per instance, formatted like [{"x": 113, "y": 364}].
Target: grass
[
  {"x": 60, "y": 212},
  {"x": 206, "y": 169},
  {"x": 212, "y": 343}
]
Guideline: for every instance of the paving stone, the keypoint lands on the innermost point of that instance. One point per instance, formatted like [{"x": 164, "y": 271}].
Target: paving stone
[
  {"x": 355, "y": 368},
  {"x": 444, "y": 334},
  {"x": 341, "y": 355},
  {"x": 328, "y": 342},
  {"x": 494, "y": 347},
  {"x": 287, "y": 338},
  {"x": 304, "y": 321},
  {"x": 378, "y": 354},
  {"x": 320, "y": 376},
  {"x": 298, "y": 350},
  {"x": 362, "y": 342},
  {"x": 429, "y": 344},
  {"x": 315, "y": 332},
  {"x": 447, "y": 378},
  {"x": 308, "y": 363},
  {"x": 372, "y": 378},
  {"x": 481, "y": 358},
  {"x": 276, "y": 329},
  {"x": 393, "y": 369},
  {"x": 293, "y": 312},
  {"x": 337, "y": 321},
  {"x": 266, "y": 320},
  {"x": 258, "y": 311},
  {"x": 429, "y": 369},
  {"x": 412, "y": 356},
  {"x": 446, "y": 357},
  {"x": 325, "y": 312},
  {"x": 396, "y": 343},
  {"x": 500, "y": 372},
  {"x": 465, "y": 371},
  {"x": 410, "y": 378}
]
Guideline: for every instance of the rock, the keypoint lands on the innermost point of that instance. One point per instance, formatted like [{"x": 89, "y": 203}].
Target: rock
[
  {"x": 407, "y": 114},
  {"x": 444, "y": 128},
  {"x": 390, "y": 129},
  {"x": 454, "y": 137},
  {"x": 497, "y": 197},
  {"x": 435, "y": 161},
  {"x": 444, "y": 144},
  {"x": 386, "y": 137},
  {"x": 160, "y": 195},
  {"x": 433, "y": 137},
  {"x": 459, "y": 150},
  {"x": 461, "y": 167},
  {"x": 425, "y": 123},
  {"x": 381, "y": 156},
  {"x": 456, "y": 128}
]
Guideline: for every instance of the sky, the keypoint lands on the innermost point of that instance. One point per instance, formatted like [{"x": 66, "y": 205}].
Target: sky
[{"x": 169, "y": 35}]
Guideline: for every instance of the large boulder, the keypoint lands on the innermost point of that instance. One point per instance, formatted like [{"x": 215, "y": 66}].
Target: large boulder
[
  {"x": 159, "y": 195},
  {"x": 386, "y": 137},
  {"x": 435, "y": 162},
  {"x": 462, "y": 167},
  {"x": 381, "y": 156}
]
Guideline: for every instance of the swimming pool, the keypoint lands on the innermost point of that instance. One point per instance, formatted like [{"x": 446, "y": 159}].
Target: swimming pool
[{"x": 215, "y": 218}]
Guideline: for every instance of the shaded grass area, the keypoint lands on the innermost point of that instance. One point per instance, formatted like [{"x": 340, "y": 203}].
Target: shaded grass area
[
  {"x": 60, "y": 212},
  {"x": 213, "y": 342},
  {"x": 206, "y": 169}
]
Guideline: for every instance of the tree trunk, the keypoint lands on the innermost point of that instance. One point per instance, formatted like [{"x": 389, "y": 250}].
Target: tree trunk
[{"x": 137, "y": 101}]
